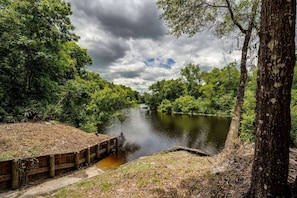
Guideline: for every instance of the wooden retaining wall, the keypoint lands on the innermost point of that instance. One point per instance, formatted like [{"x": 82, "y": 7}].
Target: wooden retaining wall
[{"x": 17, "y": 173}]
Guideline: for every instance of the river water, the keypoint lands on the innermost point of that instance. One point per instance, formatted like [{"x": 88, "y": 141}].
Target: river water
[{"x": 145, "y": 132}]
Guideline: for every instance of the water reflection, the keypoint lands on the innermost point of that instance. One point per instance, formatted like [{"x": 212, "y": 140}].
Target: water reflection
[
  {"x": 146, "y": 132},
  {"x": 121, "y": 157}
]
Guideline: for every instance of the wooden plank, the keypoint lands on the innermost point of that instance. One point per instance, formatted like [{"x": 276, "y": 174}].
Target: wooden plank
[
  {"x": 64, "y": 166},
  {"x": 93, "y": 149},
  {"x": 194, "y": 151},
  {"x": 102, "y": 151},
  {"x": 190, "y": 150},
  {"x": 5, "y": 178},
  {"x": 93, "y": 155},
  {"x": 38, "y": 171},
  {"x": 77, "y": 160},
  {"x": 5, "y": 167},
  {"x": 82, "y": 160}
]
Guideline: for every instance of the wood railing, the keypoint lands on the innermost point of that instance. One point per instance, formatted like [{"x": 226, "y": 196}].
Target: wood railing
[{"x": 21, "y": 172}]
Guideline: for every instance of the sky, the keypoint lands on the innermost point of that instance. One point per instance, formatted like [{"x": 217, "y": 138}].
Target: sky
[{"x": 130, "y": 45}]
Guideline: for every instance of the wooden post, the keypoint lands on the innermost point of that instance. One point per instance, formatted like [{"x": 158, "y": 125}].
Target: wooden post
[
  {"x": 89, "y": 155},
  {"x": 98, "y": 151},
  {"x": 52, "y": 166},
  {"x": 107, "y": 147},
  {"x": 116, "y": 146},
  {"x": 77, "y": 160},
  {"x": 15, "y": 175}
]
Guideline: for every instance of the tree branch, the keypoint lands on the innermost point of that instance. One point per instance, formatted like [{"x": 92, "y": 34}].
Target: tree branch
[
  {"x": 233, "y": 18},
  {"x": 215, "y": 6}
]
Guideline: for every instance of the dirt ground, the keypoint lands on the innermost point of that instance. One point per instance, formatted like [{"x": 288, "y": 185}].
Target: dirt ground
[{"x": 23, "y": 140}]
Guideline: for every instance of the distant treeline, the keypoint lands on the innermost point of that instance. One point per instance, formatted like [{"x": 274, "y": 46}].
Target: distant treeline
[
  {"x": 196, "y": 92},
  {"x": 212, "y": 93}
]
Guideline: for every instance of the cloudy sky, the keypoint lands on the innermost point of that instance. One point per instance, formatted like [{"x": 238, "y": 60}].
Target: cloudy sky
[{"x": 130, "y": 45}]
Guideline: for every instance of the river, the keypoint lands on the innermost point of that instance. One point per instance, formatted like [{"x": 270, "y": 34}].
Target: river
[{"x": 146, "y": 132}]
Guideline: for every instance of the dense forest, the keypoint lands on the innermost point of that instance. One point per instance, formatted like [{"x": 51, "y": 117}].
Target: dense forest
[{"x": 43, "y": 70}]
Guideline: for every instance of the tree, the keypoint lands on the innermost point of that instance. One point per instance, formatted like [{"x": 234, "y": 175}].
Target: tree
[
  {"x": 32, "y": 35},
  {"x": 164, "y": 89},
  {"x": 73, "y": 59},
  {"x": 192, "y": 77},
  {"x": 216, "y": 90},
  {"x": 273, "y": 119},
  {"x": 106, "y": 104},
  {"x": 232, "y": 140},
  {"x": 74, "y": 98},
  {"x": 190, "y": 17},
  {"x": 165, "y": 106},
  {"x": 185, "y": 104}
]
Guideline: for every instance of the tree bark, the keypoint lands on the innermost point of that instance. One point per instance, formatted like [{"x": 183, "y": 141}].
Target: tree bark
[
  {"x": 232, "y": 141},
  {"x": 273, "y": 120}
]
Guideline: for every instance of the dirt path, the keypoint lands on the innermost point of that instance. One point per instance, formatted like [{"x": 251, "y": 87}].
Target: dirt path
[{"x": 53, "y": 184}]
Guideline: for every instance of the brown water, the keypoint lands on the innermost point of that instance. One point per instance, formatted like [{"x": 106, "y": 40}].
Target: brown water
[{"x": 146, "y": 132}]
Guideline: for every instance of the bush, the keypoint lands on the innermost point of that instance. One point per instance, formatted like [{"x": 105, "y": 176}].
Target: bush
[{"x": 165, "y": 106}]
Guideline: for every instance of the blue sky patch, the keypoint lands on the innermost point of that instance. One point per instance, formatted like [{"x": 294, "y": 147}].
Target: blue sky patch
[{"x": 159, "y": 62}]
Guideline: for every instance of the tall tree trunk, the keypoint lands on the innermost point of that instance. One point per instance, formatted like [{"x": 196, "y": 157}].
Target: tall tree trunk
[
  {"x": 273, "y": 120},
  {"x": 28, "y": 75},
  {"x": 232, "y": 141}
]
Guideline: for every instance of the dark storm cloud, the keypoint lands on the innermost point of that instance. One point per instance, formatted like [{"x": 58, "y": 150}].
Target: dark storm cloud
[
  {"x": 105, "y": 53},
  {"x": 123, "y": 18}
]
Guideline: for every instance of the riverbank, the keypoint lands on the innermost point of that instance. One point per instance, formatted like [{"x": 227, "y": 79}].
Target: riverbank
[
  {"x": 171, "y": 174},
  {"x": 175, "y": 174}
]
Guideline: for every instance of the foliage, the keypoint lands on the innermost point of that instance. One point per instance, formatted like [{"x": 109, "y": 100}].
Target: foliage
[
  {"x": 248, "y": 116},
  {"x": 73, "y": 100},
  {"x": 165, "y": 106},
  {"x": 32, "y": 33},
  {"x": 192, "y": 78},
  {"x": 204, "y": 92},
  {"x": 192, "y": 16},
  {"x": 185, "y": 104},
  {"x": 294, "y": 116},
  {"x": 248, "y": 119},
  {"x": 42, "y": 69},
  {"x": 170, "y": 90},
  {"x": 105, "y": 105}
]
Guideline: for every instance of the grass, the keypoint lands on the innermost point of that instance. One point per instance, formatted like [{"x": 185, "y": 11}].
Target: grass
[
  {"x": 176, "y": 174},
  {"x": 161, "y": 175},
  {"x": 106, "y": 186}
]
